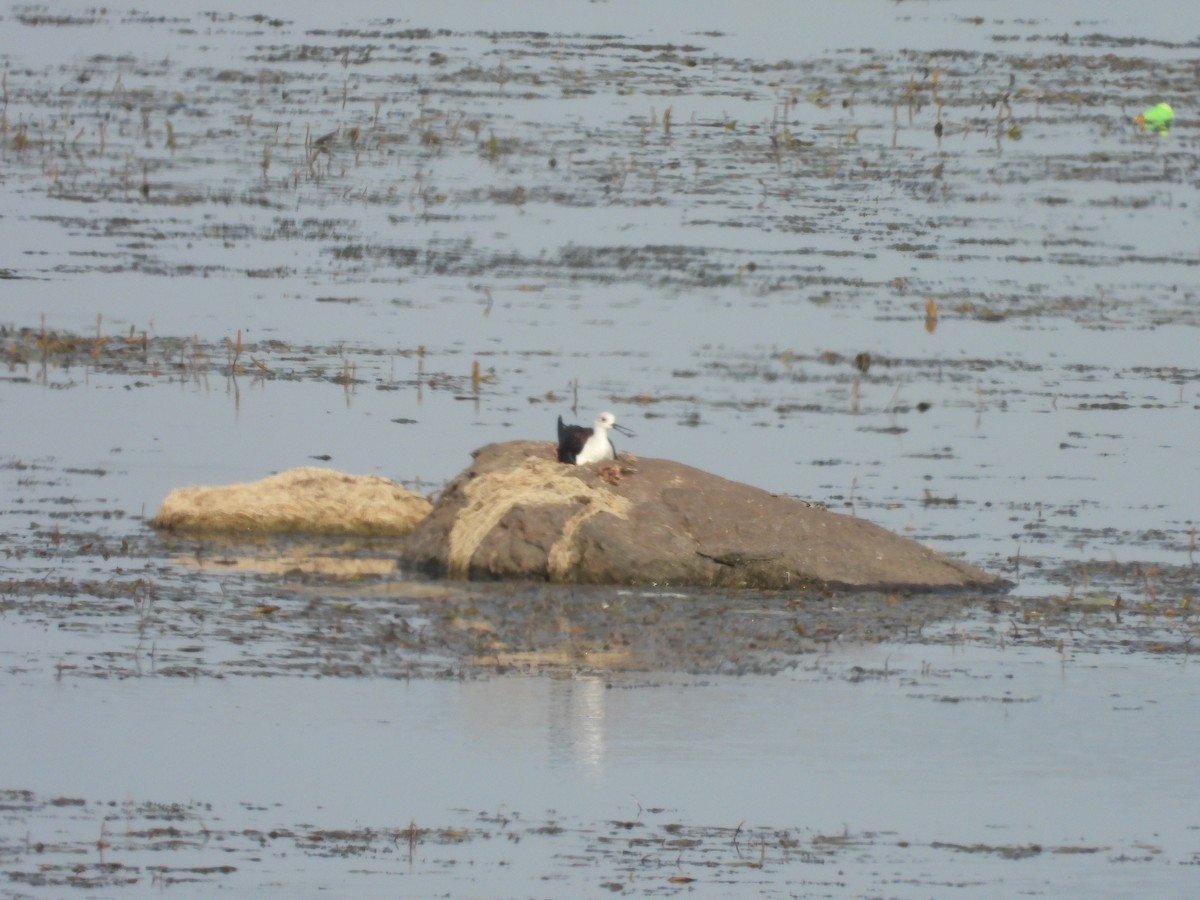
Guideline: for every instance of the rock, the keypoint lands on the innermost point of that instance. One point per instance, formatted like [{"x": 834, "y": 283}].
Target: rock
[
  {"x": 308, "y": 500},
  {"x": 517, "y": 512}
]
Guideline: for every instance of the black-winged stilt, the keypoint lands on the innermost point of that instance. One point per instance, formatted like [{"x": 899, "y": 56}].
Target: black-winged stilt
[{"x": 579, "y": 446}]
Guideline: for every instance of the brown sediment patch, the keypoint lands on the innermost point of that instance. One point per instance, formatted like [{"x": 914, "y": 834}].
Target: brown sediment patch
[
  {"x": 308, "y": 500},
  {"x": 285, "y": 563},
  {"x": 564, "y": 658}
]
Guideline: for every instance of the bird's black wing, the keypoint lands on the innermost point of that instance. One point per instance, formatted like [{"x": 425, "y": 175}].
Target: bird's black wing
[{"x": 571, "y": 439}]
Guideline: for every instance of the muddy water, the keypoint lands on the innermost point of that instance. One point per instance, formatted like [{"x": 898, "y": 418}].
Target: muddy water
[{"x": 235, "y": 244}]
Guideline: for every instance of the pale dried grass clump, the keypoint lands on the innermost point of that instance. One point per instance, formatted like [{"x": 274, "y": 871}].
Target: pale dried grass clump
[{"x": 307, "y": 500}]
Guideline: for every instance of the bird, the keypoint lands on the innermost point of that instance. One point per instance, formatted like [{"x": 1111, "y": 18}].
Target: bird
[{"x": 579, "y": 446}]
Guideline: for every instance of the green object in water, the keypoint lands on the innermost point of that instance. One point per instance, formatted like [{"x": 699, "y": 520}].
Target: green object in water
[{"x": 1157, "y": 118}]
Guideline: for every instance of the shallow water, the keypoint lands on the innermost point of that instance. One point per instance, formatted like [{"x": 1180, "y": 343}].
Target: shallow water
[
  {"x": 884, "y": 762},
  {"x": 697, "y": 220}
]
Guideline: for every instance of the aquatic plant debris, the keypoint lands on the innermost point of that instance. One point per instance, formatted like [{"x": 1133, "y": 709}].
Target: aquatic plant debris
[
  {"x": 122, "y": 846},
  {"x": 307, "y": 500},
  {"x": 1159, "y": 118}
]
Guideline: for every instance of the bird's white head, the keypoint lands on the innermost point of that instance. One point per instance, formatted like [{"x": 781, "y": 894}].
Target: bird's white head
[{"x": 606, "y": 421}]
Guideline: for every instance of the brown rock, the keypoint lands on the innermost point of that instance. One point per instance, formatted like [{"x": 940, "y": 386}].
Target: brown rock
[
  {"x": 306, "y": 500},
  {"x": 517, "y": 512}
]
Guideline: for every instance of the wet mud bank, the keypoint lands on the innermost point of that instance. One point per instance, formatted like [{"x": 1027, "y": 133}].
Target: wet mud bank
[{"x": 203, "y": 608}]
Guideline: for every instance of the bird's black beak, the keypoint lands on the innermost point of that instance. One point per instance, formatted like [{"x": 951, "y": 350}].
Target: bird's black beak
[{"x": 625, "y": 431}]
